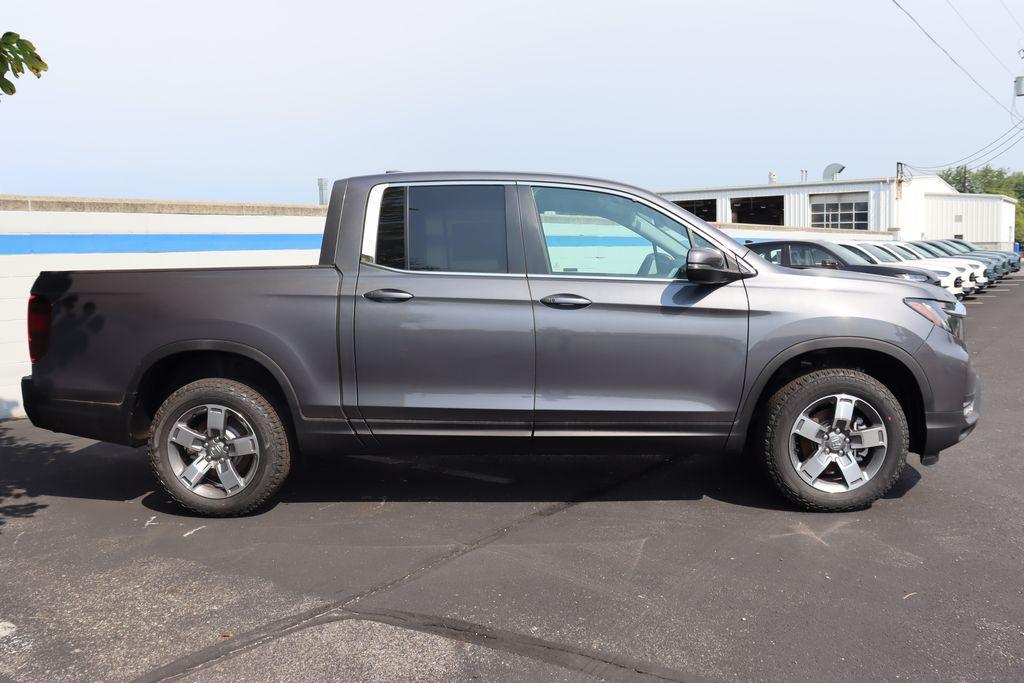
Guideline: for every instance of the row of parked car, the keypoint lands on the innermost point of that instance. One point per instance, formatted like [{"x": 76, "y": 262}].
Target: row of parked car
[{"x": 956, "y": 265}]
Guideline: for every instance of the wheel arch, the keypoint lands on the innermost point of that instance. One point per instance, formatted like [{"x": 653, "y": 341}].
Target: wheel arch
[
  {"x": 888, "y": 363},
  {"x": 174, "y": 365}
]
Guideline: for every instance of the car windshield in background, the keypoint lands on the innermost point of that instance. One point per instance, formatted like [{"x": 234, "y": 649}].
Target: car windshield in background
[
  {"x": 905, "y": 251},
  {"x": 959, "y": 248},
  {"x": 932, "y": 251},
  {"x": 880, "y": 254},
  {"x": 851, "y": 256}
]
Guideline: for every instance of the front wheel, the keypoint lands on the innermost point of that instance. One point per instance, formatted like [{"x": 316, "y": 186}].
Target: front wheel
[
  {"x": 835, "y": 440},
  {"x": 219, "y": 447}
]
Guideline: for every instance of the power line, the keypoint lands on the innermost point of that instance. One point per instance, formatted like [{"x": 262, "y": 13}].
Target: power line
[
  {"x": 1009, "y": 144},
  {"x": 1011, "y": 15},
  {"x": 951, "y": 58},
  {"x": 982, "y": 157},
  {"x": 970, "y": 158},
  {"x": 980, "y": 39}
]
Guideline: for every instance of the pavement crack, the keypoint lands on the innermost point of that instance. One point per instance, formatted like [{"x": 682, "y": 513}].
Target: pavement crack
[
  {"x": 590, "y": 662},
  {"x": 279, "y": 628}
]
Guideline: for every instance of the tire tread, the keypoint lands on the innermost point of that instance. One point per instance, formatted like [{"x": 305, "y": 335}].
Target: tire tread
[
  {"x": 279, "y": 464},
  {"x": 777, "y": 404}
]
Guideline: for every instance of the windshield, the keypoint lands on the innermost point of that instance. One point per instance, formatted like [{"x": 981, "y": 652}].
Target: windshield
[
  {"x": 954, "y": 246},
  {"x": 942, "y": 248},
  {"x": 880, "y": 254},
  {"x": 931, "y": 250},
  {"x": 906, "y": 252},
  {"x": 917, "y": 251},
  {"x": 859, "y": 250},
  {"x": 851, "y": 256}
]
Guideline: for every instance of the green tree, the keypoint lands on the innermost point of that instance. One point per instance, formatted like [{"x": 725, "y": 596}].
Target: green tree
[
  {"x": 16, "y": 56},
  {"x": 988, "y": 180}
]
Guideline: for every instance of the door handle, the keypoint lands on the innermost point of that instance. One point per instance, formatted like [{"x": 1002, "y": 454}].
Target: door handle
[
  {"x": 390, "y": 296},
  {"x": 565, "y": 301}
]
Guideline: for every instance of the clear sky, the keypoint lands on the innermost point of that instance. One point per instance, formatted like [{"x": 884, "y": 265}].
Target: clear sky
[{"x": 253, "y": 100}]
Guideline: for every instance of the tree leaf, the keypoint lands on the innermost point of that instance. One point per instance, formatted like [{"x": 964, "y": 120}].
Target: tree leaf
[{"x": 6, "y": 86}]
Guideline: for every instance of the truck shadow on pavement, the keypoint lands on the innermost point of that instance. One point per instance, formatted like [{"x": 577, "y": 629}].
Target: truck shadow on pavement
[{"x": 98, "y": 471}]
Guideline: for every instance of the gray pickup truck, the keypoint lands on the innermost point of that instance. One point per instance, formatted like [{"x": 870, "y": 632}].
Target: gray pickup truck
[{"x": 454, "y": 311}]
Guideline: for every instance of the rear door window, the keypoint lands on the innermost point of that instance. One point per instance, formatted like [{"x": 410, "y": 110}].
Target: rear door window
[
  {"x": 808, "y": 255},
  {"x": 444, "y": 228}
]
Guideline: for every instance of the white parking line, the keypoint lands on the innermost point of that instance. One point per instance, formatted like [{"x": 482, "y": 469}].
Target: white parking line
[{"x": 975, "y": 303}]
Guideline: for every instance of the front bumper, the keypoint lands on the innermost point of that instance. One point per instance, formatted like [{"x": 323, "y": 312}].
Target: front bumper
[
  {"x": 91, "y": 419},
  {"x": 945, "y": 429}
]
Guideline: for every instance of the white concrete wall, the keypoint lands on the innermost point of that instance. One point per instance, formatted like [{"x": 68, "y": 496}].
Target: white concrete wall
[{"x": 120, "y": 230}]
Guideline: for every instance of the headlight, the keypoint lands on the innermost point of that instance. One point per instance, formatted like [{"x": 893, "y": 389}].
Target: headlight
[
  {"x": 915, "y": 277},
  {"x": 949, "y": 315}
]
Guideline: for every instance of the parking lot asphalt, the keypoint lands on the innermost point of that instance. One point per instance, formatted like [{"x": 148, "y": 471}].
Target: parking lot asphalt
[{"x": 523, "y": 567}]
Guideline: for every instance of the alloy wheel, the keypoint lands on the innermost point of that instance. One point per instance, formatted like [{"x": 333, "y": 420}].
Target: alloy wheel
[
  {"x": 213, "y": 451},
  {"x": 838, "y": 443}
]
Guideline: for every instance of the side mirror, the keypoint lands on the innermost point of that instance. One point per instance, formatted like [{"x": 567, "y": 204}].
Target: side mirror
[
  {"x": 829, "y": 263},
  {"x": 709, "y": 266}
]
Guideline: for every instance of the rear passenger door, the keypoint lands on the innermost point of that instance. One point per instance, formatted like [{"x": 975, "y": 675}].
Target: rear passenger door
[{"x": 444, "y": 337}]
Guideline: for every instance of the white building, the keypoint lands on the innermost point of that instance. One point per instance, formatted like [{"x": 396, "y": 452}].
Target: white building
[{"x": 911, "y": 208}]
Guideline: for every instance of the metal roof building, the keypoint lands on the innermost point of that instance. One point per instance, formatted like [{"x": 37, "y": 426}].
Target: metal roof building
[{"x": 908, "y": 208}]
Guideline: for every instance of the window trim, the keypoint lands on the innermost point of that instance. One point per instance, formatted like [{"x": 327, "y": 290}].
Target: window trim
[
  {"x": 371, "y": 225},
  {"x": 536, "y": 247}
]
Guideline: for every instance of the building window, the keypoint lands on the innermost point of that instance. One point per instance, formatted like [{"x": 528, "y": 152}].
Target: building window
[
  {"x": 704, "y": 209},
  {"x": 845, "y": 211},
  {"x": 758, "y": 210}
]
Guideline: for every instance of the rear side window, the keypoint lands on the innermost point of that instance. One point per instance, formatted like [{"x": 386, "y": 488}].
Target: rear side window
[
  {"x": 447, "y": 228},
  {"x": 806, "y": 255}
]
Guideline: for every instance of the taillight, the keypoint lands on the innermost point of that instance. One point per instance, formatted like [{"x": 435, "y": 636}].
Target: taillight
[{"x": 38, "y": 326}]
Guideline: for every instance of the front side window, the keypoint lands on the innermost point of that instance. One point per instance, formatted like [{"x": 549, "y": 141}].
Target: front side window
[
  {"x": 448, "y": 228},
  {"x": 594, "y": 233}
]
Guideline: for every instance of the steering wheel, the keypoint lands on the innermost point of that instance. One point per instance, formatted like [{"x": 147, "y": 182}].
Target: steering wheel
[{"x": 657, "y": 263}]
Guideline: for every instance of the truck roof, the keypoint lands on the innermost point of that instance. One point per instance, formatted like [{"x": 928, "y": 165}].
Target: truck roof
[{"x": 502, "y": 176}]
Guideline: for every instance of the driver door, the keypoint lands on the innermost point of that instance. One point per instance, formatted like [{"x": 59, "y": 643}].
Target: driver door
[{"x": 624, "y": 348}]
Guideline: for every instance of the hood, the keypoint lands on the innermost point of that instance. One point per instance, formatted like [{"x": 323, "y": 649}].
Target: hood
[{"x": 883, "y": 283}]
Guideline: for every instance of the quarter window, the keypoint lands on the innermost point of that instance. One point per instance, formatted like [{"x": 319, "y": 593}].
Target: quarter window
[
  {"x": 594, "y": 233},
  {"x": 452, "y": 228}
]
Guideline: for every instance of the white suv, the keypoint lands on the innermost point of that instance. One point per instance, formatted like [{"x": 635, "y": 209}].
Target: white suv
[{"x": 951, "y": 278}]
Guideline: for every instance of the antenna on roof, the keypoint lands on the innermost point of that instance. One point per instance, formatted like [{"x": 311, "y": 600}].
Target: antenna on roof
[{"x": 394, "y": 170}]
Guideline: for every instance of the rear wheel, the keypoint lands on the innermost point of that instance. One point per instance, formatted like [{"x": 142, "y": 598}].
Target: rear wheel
[
  {"x": 835, "y": 440},
  {"x": 219, "y": 447}
]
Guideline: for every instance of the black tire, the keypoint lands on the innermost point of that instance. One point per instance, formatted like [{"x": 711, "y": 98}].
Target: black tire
[
  {"x": 786, "y": 405},
  {"x": 270, "y": 432}
]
